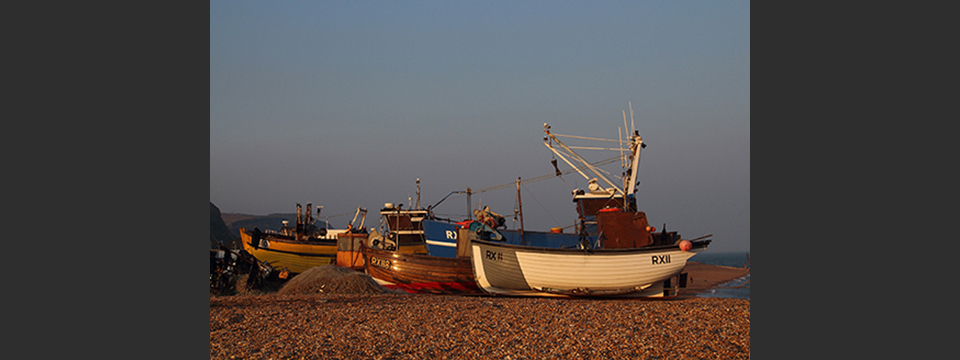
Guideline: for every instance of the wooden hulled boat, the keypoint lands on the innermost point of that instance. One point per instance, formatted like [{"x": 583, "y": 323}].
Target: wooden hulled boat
[
  {"x": 418, "y": 273},
  {"x": 299, "y": 247},
  {"x": 285, "y": 251},
  {"x": 403, "y": 230},
  {"x": 385, "y": 260}
]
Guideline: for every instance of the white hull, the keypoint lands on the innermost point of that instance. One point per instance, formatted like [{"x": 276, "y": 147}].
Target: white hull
[
  {"x": 516, "y": 270},
  {"x": 382, "y": 282}
]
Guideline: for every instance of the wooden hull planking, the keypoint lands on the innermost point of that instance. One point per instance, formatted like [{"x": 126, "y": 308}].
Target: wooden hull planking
[
  {"x": 417, "y": 273},
  {"x": 298, "y": 256},
  {"x": 295, "y": 257}
]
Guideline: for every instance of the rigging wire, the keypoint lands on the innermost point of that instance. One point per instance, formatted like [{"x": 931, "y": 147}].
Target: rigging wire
[
  {"x": 541, "y": 205},
  {"x": 541, "y": 178},
  {"x": 600, "y": 169},
  {"x": 565, "y": 183},
  {"x": 346, "y": 213}
]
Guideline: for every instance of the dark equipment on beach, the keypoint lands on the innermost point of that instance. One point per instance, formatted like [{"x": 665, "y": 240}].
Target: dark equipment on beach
[
  {"x": 222, "y": 279},
  {"x": 226, "y": 270}
]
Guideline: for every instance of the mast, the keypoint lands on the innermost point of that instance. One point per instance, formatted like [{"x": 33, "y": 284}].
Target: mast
[
  {"x": 308, "y": 215},
  {"x": 623, "y": 163},
  {"x": 629, "y": 185},
  {"x": 635, "y": 145},
  {"x": 520, "y": 205},
  {"x": 299, "y": 224},
  {"x": 469, "y": 205},
  {"x": 625, "y": 130}
]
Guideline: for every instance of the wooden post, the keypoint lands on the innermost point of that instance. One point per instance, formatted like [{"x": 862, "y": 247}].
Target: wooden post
[
  {"x": 299, "y": 219},
  {"x": 469, "y": 205},
  {"x": 299, "y": 225},
  {"x": 520, "y": 205},
  {"x": 308, "y": 216},
  {"x": 463, "y": 243}
]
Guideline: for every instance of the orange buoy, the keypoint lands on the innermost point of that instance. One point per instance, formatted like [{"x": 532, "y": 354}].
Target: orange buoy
[{"x": 686, "y": 245}]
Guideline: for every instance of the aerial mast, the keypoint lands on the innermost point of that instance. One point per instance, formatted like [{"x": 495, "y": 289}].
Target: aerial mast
[
  {"x": 520, "y": 206},
  {"x": 636, "y": 143}
]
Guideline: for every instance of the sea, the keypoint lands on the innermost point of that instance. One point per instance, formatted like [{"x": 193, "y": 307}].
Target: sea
[{"x": 729, "y": 289}]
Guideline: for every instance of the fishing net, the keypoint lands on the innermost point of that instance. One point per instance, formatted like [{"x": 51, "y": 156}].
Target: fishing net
[{"x": 331, "y": 279}]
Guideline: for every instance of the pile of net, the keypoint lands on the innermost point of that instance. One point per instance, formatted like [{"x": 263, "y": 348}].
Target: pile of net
[{"x": 331, "y": 279}]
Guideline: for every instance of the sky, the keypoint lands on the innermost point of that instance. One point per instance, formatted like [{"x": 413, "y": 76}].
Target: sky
[{"x": 347, "y": 104}]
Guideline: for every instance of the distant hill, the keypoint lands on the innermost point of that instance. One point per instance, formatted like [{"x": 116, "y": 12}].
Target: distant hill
[
  {"x": 219, "y": 232},
  {"x": 235, "y": 221}
]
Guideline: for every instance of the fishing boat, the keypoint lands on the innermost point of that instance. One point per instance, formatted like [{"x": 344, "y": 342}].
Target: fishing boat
[
  {"x": 441, "y": 235},
  {"x": 302, "y": 246},
  {"x": 400, "y": 229},
  {"x": 419, "y": 273},
  {"x": 385, "y": 260},
  {"x": 530, "y": 271},
  {"x": 623, "y": 256}
]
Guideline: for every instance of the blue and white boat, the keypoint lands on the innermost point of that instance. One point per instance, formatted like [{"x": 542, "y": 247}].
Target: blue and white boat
[{"x": 441, "y": 237}]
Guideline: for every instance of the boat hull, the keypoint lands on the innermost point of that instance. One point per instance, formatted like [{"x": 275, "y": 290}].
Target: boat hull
[
  {"x": 298, "y": 256},
  {"x": 520, "y": 270},
  {"x": 417, "y": 273},
  {"x": 294, "y": 256},
  {"x": 441, "y": 238}
]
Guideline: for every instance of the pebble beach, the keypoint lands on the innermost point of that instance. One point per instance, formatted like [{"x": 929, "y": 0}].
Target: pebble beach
[{"x": 321, "y": 318}]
